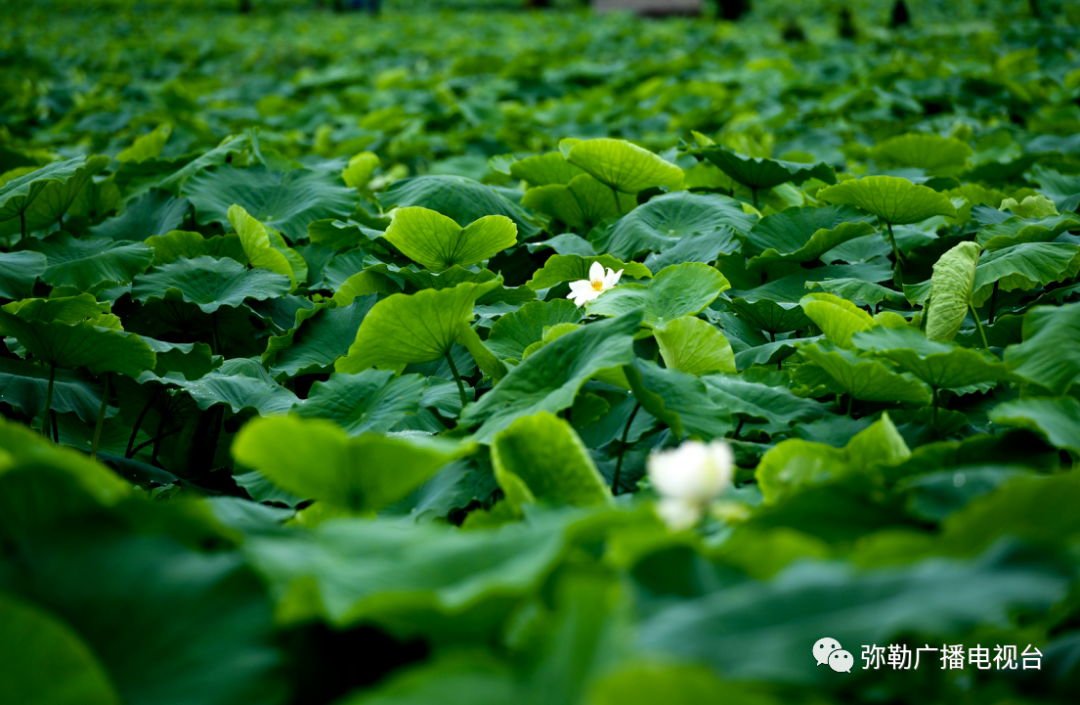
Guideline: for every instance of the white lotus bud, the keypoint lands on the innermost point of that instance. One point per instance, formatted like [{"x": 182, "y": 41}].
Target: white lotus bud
[{"x": 689, "y": 478}]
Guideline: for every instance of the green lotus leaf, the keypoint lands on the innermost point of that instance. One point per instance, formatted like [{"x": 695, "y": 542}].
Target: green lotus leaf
[
  {"x": 187, "y": 360},
  {"x": 240, "y": 384},
  {"x": 942, "y": 365},
  {"x": 26, "y": 447},
  {"x": 1062, "y": 189},
  {"x": 795, "y": 464},
  {"x": 180, "y": 243},
  {"x": 358, "y": 173},
  {"x": 545, "y": 170},
  {"x": 255, "y": 240},
  {"x": 758, "y": 403},
  {"x": 284, "y": 200},
  {"x": 1037, "y": 206},
  {"x": 791, "y": 288},
  {"x": 549, "y": 379},
  {"x": 146, "y": 146},
  {"x": 950, "y": 291},
  {"x": 155, "y": 212},
  {"x": 462, "y": 199},
  {"x": 568, "y": 268},
  {"x": 837, "y": 318},
  {"x": 622, "y": 165},
  {"x": 341, "y": 234},
  {"x": 170, "y": 175},
  {"x": 582, "y": 203},
  {"x": 47, "y": 662},
  {"x": 943, "y": 156},
  {"x": 65, "y": 309},
  {"x": 40, "y": 197},
  {"x": 867, "y": 293},
  {"x": 1048, "y": 356},
  {"x": 694, "y": 346},
  {"x": 321, "y": 336},
  {"x": 364, "y": 283},
  {"x": 405, "y": 328},
  {"x": 679, "y": 400},
  {"x": 516, "y": 331},
  {"x": 680, "y": 290},
  {"x": 486, "y": 360},
  {"x": 667, "y": 220},
  {"x": 438, "y": 243},
  {"x": 707, "y": 247},
  {"x": 541, "y": 457},
  {"x": 466, "y": 679},
  {"x": 91, "y": 263},
  {"x": 1017, "y": 230},
  {"x": 221, "y": 628},
  {"x": 803, "y": 234},
  {"x": 769, "y": 315},
  {"x": 862, "y": 378},
  {"x": 894, "y": 200},
  {"x": 208, "y": 283},
  {"x": 1023, "y": 267},
  {"x": 370, "y": 402},
  {"x": 24, "y": 385},
  {"x": 78, "y": 345},
  {"x": 759, "y": 173},
  {"x": 1056, "y": 418},
  {"x": 18, "y": 272},
  {"x": 363, "y": 474},
  {"x": 430, "y": 579}
]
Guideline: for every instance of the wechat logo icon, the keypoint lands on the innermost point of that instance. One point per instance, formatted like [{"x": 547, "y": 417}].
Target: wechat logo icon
[{"x": 828, "y": 651}]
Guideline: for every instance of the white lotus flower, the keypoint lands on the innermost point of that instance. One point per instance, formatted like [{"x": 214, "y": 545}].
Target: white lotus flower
[
  {"x": 585, "y": 290},
  {"x": 688, "y": 479}
]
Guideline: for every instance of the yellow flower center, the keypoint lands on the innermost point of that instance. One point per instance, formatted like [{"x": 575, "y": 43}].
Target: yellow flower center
[{"x": 597, "y": 285}]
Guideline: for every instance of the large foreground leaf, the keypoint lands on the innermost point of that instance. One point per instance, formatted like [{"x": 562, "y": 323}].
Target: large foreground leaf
[
  {"x": 941, "y": 365},
  {"x": 950, "y": 291},
  {"x": 418, "y": 327},
  {"x": 284, "y": 200},
  {"x": 435, "y": 241},
  {"x": 549, "y": 379},
  {"x": 457, "y": 197},
  {"x": 665, "y": 220},
  {"x": 365, "y": 473},
  {"x": 208, "y": 283},
  {"x": 1049, "y": 355},
  {"x": 679, "y": 290},
  {"x": 764, "y": 631},
  {"x": 896, "y": 201},
  {"x": 622, "y": 165},
  {"x": 47, "y": 663},
  {"x": 541, "y": 457},
  {"x": 90, "y": 263}
]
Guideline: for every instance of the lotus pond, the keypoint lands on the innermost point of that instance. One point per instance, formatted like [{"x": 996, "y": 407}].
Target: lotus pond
[{"x": 492, "y": 356}]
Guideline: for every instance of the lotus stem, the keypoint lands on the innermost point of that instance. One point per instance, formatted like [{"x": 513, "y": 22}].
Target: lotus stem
[
  {"x": 850, "y": 403},
  {"x": 22, "y": 222},
  {"x": 48, "y": 401},
  {"x": 618, "y": 206},
  {"x": 138, "y": 423},
  {"x": 100, "y": 419},
  {"x": 214, "y": 334},
  {"x": 457, "y": 378},
  {"x": 993, "y": 298},
  {"x": 978, "y": 324},
  {"x": 738, "y": 428},
  {"x": 622, "y": 450},
  {"x": 898, "y": 256},
  {"x": 753, "y": 192}
]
